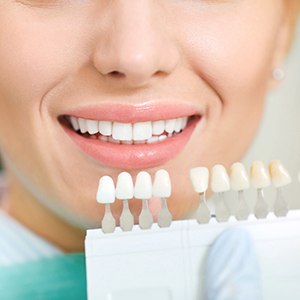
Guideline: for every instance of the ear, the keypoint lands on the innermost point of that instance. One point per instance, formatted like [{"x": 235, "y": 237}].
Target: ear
[{"x": 284, "y": 36}]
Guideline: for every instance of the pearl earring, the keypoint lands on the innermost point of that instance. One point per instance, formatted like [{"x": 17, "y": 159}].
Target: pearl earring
[{"x": 278, "y": 74}]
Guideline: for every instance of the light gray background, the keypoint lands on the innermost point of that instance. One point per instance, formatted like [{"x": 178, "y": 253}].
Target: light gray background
[{"x": 279, "y": 135}]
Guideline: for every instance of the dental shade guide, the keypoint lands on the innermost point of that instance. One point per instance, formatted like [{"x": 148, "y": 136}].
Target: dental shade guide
[
  {"x": 154, "y": 263},
  {"x": 162, "y": 189},
  {"x": 200, "y": 177},
  {"x": 124, "y": 192},
  {"x": 106, "y": 196},
  {"x": 280, "y": 178},
  {"x": 143, "y": 191},
  {"x": 239, "y": 181},
  {"x": 260, "y": 179},
  {"x": 220, "y": 183}
]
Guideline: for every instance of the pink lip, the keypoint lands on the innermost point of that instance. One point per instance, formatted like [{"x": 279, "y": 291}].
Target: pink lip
[
  {"x": 124, "y": 113},
  {"x": 138, "y": 156}
]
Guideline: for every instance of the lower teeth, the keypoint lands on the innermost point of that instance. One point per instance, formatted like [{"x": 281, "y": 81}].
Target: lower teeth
[{"x": 109, "y": 139}]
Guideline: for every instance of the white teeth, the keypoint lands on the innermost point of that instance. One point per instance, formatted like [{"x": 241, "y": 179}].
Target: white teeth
[
  {"x": 178, "y": 124},
  {"x": 124, "y": 189},
  {"x": 170, "y": 125},
  {"x": 128, "y": 133},
  {"x": 219, "y": 179},
  {"x": 259, "y": 175},
  {"x": 106, "y": 190},
  {"x": 82, "y": 125},
  {"x": 105, "y": 128},
  {"x": 279, "y": 174},
  {"x": 92, "y": 126},
  {"x": 162, "y": 184},
  {"x": 199, "y": 177},
  {"x": 122, "y": 131},
  {"x": 152, "y": 140},
  {"x": 184, "y": 122},
  {"x": 142, "y": 131},
  {"x": 143, "y": 186},
  {"x": 162, "y": 137},
  {"x": 239, "y": 179},
  {"x": 74, "y": 123},
  {"x": 158, "y": 127}
]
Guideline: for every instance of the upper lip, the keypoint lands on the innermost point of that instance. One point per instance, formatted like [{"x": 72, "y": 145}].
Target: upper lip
[{"x": 128, "y": 113}]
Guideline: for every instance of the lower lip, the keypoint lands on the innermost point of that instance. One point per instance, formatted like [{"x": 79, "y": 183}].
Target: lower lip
[{"x": 133, "y": 156}]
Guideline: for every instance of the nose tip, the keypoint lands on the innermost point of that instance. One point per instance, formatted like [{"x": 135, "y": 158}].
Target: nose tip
[{"x": 135, "y": 48}]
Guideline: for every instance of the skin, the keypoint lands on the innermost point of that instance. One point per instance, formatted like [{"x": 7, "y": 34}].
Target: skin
[{"x": 58, "y": 55}]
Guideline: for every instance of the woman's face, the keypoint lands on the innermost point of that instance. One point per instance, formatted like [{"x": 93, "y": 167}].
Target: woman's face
[{"x": 129, "y": 62}]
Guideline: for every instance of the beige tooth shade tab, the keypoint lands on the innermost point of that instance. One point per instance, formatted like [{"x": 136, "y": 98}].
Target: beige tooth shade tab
[
  {"x": 219, "y": 179},
  {"x": 239, "y": 179},
  {"x": 279, "y": 174},
  {"x": 259, "y": 175},
  {"x": 106, "y": 190},
  {"x": 199, "y": 177},
  {"x": 162, "y": 184}
]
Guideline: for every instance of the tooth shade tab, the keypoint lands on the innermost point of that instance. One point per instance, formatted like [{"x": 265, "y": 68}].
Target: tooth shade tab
[
  {"x": 143, "y": 186},
  {"x": 162, "y": 184},
  {"x": 106, "y": 190},
  {"x": 239, "y": 179},
  {"x": 219, "y": 179},
  {"x": 124, "y": 188},
  {"x": 279, "y": 175},
  {"x": 259, "y": 175},
  {"x": 199, "y": 177}
]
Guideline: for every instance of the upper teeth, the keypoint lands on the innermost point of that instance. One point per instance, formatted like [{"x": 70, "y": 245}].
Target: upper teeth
[{"x": 128, "y": 132}]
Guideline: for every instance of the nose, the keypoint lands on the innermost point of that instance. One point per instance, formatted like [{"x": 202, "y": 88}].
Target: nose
[{"x": 135, "y": 46}]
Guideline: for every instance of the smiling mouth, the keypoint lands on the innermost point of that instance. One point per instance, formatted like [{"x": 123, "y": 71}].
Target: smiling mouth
[
  {"x": 149, "y": 132},
  {"x": 130, "y": 137}
]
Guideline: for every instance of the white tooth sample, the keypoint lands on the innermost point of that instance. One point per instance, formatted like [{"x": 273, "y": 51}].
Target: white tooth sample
[
  {"x": 158, "y": 127},
  {"x": 122, "y": 131},
  {"x": 279, "y": 174},
  {"x": 259, "y": 175},
  {"x": 178, "y": 124},
  {"x": 162, "y": 184},
  {"x": 199, "y": 177},
  {"x": 299, "y": 176},
  {"x": 124, "y": 188},
  {"x": 142, "y": 131},
  {"x": 92, "y": 126},
  {"x": 143, "y": 186},
  {"x": 74, "y": 123},
  {"x": 184, "y": 122},
  {"x": 105, "y": 128},
  {"x": 82, "y": 125},
  {"x": 239, "y": 179},
  {"x": 170, "y": 125},
  {"x": 219, "y": 179},
  {"x": 106, "y": 190}
]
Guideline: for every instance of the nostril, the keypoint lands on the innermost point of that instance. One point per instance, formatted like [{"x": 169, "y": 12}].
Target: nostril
[{"x": 117, "y": 74}]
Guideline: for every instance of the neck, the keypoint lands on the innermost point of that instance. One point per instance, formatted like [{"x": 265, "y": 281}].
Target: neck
[{"x": 22, "y": 206}]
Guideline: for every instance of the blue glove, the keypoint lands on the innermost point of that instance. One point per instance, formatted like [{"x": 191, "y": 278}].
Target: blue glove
[{"x": 232, "y": 270}]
